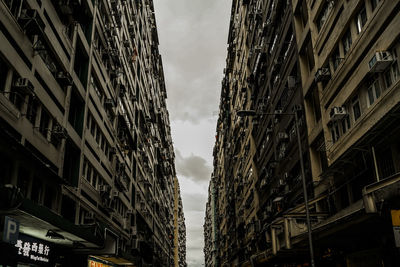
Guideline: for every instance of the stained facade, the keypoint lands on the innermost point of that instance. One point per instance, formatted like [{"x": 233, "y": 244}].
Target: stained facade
[
  {"x": 333, "y": 65},
  {"x": 87, "y": 161}
]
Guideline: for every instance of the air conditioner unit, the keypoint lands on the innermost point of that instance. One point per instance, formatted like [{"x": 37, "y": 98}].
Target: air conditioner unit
[
  {"x": 23, "y": 86},
  {"x": 89, "y": 215},
  {"x": 115, "y": 193},
  {"x": 263, "y": 182},
  {"x": 103, "y": 188},
  {"x": 59, "y": 131},
  {"x": 64, "y": 78},
  {"x": 380, "y": 61},
  {"x": 109, "y": 102},
  {"x": 337, "y": 113},
  {"x": 322, "y": 74},
  {"x": 258, "y": 49},
  {"x": 296, "y": 108},
  {"x": 113, "y": 150},
  {"x": 282, "y": 136}
]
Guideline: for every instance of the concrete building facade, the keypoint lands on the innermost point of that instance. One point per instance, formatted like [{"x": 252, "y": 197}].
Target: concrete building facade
[
  {"x": 333, "y": 64},
  {"x": 256, "y": 155},
  {"x": 350, "y": 78},
  {"x": 87, "y": 162}
]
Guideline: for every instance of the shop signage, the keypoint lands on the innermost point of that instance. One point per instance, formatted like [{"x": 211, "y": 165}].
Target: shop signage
[
  {"x": 93, "y": 263},
  {"x": 11, "y": 230},
  {"x": 396, "y": 226},
  {"x": 32, "y": 249}
]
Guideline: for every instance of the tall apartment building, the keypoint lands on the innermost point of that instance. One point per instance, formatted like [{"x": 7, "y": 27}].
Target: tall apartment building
[
  {"x": 211, "y": 227},
  {"x": 179, "y": 229},
  {"x": 181, "y": 236},
  {"x": 87, "y": 163},
  {"x": 350, "y": 77},
  {"x": 347, "y": 64},
  {"x": 257, "y": 170}
]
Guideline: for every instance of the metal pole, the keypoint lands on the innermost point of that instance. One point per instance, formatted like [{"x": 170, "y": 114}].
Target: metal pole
[{"x": 303, "y": 179}]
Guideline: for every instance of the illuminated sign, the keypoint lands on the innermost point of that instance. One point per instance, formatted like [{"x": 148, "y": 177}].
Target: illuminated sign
[
  {"x": 33, "y": 249},
  {"x": 93, "y": 263}
]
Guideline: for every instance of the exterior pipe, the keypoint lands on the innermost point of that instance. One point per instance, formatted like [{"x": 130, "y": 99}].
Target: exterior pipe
[
  {"x": 303, "y": 179},
  {"x": 375, "y": 164},
  {"x": 288, "y": 245},
  {"x": 273, "y": 239}
]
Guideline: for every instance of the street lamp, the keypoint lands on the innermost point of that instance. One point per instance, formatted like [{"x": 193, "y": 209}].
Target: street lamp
[{"x": 246, "y": 113}]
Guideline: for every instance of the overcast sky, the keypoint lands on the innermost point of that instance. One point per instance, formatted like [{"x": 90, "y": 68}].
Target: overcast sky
[{"x": 193, "y": 36}]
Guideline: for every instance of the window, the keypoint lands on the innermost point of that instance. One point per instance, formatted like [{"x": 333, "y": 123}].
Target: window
[
  {"x": 374, "y": 92},
  {"x": 44, "y": 122},
  {"x": 335, "y": 132},
  {"x": 361, "y": 19},
  {"x": 345, "y": 124},
  {"x": 3, "y": 73},
  {"x": 356, "y": 108},
  {"x": 392, "y": 74},
  {"x": 336, "y": 59},
  {"x": 14, "y": 6},
  {"x": 304, "y": 13},
  {"x": 16, "y": 96},
  {"x": 96, "y": 86},
  {"x": 347, "y": 41},
  {"x": 388, "y": 78},
  {"x": 323, "y": 16},
  {"x": 310, "y": 55},
  {"x": 374, "y": 4},
  {"x": 76, "y": 113},
  {"x": 32, "y": 109}
]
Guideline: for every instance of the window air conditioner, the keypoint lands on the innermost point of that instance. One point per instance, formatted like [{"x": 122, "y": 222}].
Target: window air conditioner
[
  {"x": 115, "y": 193},
  {"x": 23, "y": 85},
  {"x": 380, "y": 61},
  {"x": 337, "y": 113},
  {"x": 64, "y": 78},
  {"x": 282, "y": 136},
  {"x": 322, "y": 74}
]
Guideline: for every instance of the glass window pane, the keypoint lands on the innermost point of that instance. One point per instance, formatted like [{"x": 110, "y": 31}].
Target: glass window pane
[{"x": 371, "y": 95}]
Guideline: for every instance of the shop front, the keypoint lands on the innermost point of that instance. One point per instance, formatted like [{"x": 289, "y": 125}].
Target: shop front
[
  {"x": 101, "y": 261},
  {"x": 27, "y": 251}
]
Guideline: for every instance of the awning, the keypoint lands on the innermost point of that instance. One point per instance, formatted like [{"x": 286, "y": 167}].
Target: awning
[{"x": 36, "y": 221}]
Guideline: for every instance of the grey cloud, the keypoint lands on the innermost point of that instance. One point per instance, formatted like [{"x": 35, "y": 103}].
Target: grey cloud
[
  {"x": 187, "y": 30},
  {"x": 194, "y": 202},
  {"x": 193, "y": 167},
  {"x": 193, "y": 35}
]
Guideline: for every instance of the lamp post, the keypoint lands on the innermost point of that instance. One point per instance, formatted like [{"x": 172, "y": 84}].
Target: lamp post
[{"x": 245, "y": 113}]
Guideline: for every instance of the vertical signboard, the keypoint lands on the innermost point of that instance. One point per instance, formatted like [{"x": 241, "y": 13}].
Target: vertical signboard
[{"x": 396, "y": 226}]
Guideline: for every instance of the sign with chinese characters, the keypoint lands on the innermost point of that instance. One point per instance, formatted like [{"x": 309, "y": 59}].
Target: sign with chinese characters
[{"x": 34, "y": 250}]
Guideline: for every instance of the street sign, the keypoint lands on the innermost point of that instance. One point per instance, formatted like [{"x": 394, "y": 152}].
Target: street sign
[{"x": 11, "y": 230}]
